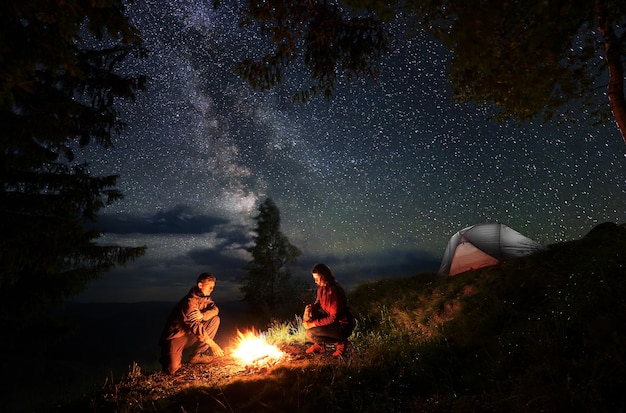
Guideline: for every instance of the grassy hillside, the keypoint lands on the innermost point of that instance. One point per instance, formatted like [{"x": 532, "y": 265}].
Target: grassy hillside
[{"x": 541, "y": 333}]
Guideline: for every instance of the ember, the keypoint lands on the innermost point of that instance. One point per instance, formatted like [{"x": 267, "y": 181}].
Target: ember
[{"x": 253, "y": 349}]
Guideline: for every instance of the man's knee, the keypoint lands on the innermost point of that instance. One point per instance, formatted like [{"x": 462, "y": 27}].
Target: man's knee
[
  {"x": 310, "y": 335},
  {"x": 212, "y": 325},
  {"x": 215, "y": 321}
]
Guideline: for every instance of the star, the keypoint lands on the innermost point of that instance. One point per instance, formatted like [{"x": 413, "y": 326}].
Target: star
[{"x": 373, "y": 182}]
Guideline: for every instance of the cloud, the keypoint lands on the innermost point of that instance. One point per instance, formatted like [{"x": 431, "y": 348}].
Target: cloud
[
  {"x": 178, "y": 220},
  {"x": 174, "y": 260},
  {"x": 227, "y": 262},
  {"x": 181, "y": 244}
]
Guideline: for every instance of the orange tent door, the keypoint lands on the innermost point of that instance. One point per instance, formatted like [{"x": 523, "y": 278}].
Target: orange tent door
[{"x": 467, "y": 257}]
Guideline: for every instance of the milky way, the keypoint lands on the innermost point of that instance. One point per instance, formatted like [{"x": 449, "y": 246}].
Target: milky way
[{"x": 373, "y": 182}]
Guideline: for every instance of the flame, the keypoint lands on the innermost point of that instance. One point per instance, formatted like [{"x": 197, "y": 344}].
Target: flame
[{"x": 254, "y": 349}]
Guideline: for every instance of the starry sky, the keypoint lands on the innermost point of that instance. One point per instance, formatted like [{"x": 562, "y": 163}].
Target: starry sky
[{"x": 372, "y": 183}]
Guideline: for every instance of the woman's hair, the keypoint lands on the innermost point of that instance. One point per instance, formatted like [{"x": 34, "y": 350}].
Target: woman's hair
[
  {"x": 327, "y": 275},
  {"x": 205, "y": 276},
  {"x": 325, "y": 272}
]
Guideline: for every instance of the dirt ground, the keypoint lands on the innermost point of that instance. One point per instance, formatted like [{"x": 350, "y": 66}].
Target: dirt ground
[{"x": 222, "y": 370}]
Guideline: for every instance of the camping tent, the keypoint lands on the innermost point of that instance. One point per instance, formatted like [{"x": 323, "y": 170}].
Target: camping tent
[{"x": 483, "y": 245}]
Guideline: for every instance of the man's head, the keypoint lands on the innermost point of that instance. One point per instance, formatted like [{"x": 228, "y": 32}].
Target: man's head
[{"x": 206, "y": 283}]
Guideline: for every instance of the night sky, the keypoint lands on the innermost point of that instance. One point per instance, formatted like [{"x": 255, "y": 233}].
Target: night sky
[{"x": 372, "y": 183}]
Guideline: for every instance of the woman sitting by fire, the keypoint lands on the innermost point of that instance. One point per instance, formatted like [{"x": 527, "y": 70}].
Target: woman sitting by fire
[{"x": 328, "y": 320}]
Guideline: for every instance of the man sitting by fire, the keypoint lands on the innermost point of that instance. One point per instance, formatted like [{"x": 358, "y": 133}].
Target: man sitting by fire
[
  {"x": 193, "y": 322},
  {"x": 328, "y": 320}
]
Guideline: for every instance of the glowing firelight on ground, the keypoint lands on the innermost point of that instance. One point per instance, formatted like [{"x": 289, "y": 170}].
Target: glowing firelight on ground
[{"x": 252, "y": 348}]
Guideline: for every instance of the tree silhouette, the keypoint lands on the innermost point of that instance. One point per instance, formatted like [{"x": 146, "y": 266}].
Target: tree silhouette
[
  {"x": 59, "y": 80},
  {"x": 317, "y": 34},
  {"x": 268, "y": 284},
  {"x": 525, "y": 59},
  {"x": 529, "y": 58}
]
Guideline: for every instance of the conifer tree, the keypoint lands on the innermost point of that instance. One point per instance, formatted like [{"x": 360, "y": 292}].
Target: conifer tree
[
  {"x": 59, "y": 80},
  {"x": 268, "y": 284}
]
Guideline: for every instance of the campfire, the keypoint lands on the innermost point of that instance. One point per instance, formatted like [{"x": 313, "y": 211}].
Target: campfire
[{"x": 252, "y": 349}]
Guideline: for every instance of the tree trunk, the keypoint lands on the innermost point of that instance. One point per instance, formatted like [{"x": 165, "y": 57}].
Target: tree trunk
[{"x": 612, "y": 49}]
